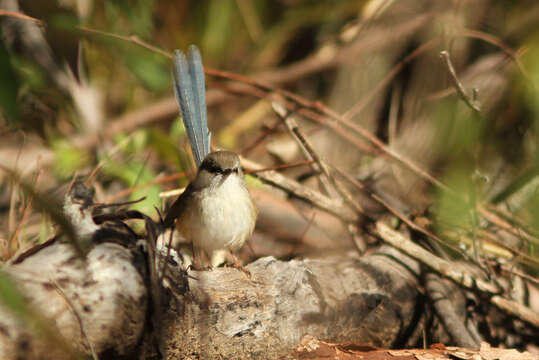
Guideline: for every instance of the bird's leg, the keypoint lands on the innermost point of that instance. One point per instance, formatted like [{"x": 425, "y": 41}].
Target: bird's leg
[
  {"x": 238, "y": 265},
  {"x": 199, "y": 259},
  {"x": 218, "y": 257}
]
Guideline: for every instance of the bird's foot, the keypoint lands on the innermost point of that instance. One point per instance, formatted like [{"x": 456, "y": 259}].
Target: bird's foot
[{"x": 237, "y": 265}]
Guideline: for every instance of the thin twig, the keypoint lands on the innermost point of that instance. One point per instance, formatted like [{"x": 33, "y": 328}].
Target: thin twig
[
  {"x": 292, "y": 187},
  {"x": 303, "y": 145},
  {"x": 489, "y": 237},
  {"x": 493, "y": 40},
  {"x": 301, "y": 238},
  {"x": 27, "y": 208},
  {"x": 272, "y": 129},
  {"x": 398, "y": 213},
  {"x": 444, "y": 267},
  {"x": 456, "y": 82},
  {"x": 448, "y": 269},
  {"x": 521, "y": 231},
  {"x": 157, "y": 180},
  {"x": 131, "y": 38},
  {"x": 155, "y": 284},
  {"x": 21, "y": 16},
  {"x": 280, "y": 167},
  {"x": 511, "y": 271},
  {"x": 516, "y": 309},
  {"x": 13, "y": 196},
  {"x": 311, "y": 153}
]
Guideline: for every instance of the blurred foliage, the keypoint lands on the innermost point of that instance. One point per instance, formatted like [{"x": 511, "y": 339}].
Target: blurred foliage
[
  {"x": 8, "y": 86},
  {"x": 130, "y": 166},
  {"x": 69, "y": 158},
  {"x": 249, "y": 36},
  {"x": 130, "y": 17},
  {"x": 11, "y": 297},
  {"x": 489, "y": 160},
  {"x": 454, "y": 211},
  {"x": 531, "y": 62},
  {"x": 28, "y": 73}
]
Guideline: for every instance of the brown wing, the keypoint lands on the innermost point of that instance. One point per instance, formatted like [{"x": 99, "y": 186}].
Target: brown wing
[{"x": 178, "y": 207}]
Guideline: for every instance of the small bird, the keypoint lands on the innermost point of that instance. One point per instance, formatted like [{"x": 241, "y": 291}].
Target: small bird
[{"x": 215, "y": 212}]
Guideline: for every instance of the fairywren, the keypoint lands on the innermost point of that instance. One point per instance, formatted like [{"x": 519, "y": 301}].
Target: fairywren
[{"x": 215, "y": 212}]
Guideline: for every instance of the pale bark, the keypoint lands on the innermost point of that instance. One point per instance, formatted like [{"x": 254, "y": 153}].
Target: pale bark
[
  {"x": 224, "y": 314},
  {"x": 228, "y": 314}
]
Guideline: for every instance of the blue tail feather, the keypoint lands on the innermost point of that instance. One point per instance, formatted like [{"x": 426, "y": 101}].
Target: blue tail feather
[{"x": 188, "y": 75}]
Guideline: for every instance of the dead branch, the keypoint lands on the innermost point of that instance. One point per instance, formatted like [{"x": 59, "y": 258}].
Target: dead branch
[
  {"x": 449, "y": 270},
  {"x": 280, "y": 181},
  {"x": 472, "y": 103}
]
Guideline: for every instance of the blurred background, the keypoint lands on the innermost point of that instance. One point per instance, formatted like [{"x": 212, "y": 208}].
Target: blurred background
[{"x": 86, "y": 89}]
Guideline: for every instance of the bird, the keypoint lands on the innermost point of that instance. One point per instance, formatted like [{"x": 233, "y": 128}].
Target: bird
[{"x": 215, "y": 212}]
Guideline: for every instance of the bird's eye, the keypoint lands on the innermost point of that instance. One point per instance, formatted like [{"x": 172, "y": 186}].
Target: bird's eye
[{"x": 212, "y": 167}]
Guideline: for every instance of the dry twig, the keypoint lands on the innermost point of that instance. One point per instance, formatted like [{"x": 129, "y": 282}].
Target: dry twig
[
  {"x": 472, "y": 103},
  {"x": 448, "y": 269},
  {"x": 321, "y": 201},
  {"x": 309, "y": 151}
]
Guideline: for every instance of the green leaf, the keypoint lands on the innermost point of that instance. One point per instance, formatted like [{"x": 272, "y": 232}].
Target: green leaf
[
  {"x": 222, "y": 15},
  {"x": 135, "y": 172},
  {"x": 456, "y": 211},
  {"x": 164, "y": 145},
  {"x": 10, "y": 296},
  {"x": 68, "y": 158},
  {"x": 150, "y": 68}
]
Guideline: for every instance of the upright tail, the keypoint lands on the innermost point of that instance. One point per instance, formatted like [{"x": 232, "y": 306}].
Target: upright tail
[{"x": 188, "y": 75}]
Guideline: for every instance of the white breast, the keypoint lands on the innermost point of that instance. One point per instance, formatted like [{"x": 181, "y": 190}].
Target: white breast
[{"x": 226, "y": 216}]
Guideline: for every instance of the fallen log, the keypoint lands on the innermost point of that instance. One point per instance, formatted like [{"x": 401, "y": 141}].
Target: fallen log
[
  {"x": 265, "y": 313},
  {"x": 96, "y": 294}
]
